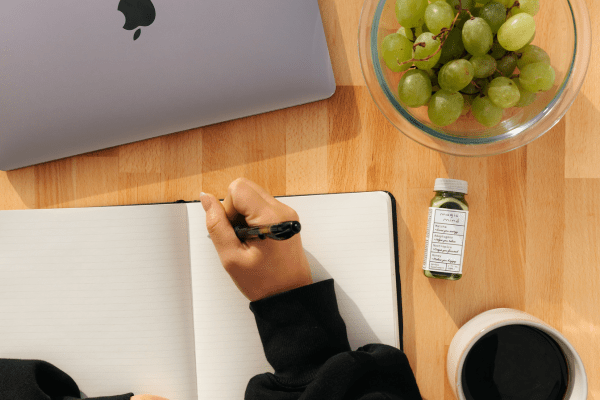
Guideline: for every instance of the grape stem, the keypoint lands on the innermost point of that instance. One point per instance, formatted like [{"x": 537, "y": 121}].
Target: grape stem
[
  {"x": 515, "y": 4},
  {"x": 420, "y": 44},
  {"x": 445, "y": 32}
]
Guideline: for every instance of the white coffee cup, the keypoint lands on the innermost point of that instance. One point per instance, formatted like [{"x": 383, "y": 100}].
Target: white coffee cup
[{"x": 485, "y": 322}]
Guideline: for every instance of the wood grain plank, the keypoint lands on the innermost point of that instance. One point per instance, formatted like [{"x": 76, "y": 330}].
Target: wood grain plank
[
  {"x": 181, "y": 165},
  {"x": 580, "y": 295},
  {"x": 95, "y": 181},
  {"x": 55, "y": 184},
  {"x": 140, "y": 188},
  {"x": 506, "y": 227},
  {"x": 429, "y": 312},
  {"x": 583, "y": 119},
  {"x": 340, "y": 22},
  {"x": 17, "y": 189},
  {"x": 140, "y": 157},
  {"x": 306, "y": 149},
  {"x": 347, "y": 149},
  {"x": 252, "y": 147},
  {"x": 546, "y": 226}
]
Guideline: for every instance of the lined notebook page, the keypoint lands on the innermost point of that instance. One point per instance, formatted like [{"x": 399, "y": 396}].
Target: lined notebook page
[
  {"x": 228, "y": 348},
  {"x": 102, "y": 293},
  {"x": 348, "y": 237}
]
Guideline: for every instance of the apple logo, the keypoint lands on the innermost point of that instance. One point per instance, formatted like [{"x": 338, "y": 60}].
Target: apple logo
[{"x": 137, "y": 13}]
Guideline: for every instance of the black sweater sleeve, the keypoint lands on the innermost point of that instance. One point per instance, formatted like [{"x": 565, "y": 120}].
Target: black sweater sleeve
[
  {"x": 305, "y": 341},
  {"x": 40, "y": 380}
]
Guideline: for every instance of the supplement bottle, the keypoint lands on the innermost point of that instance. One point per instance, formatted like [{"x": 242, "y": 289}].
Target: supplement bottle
[{"x": 446, "y": 230}]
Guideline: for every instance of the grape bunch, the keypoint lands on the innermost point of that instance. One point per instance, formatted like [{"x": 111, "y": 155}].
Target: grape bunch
[{"x": 461, "y": 56}]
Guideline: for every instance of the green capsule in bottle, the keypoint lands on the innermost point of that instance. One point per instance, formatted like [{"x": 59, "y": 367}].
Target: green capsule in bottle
[{"x": 446, "y": 230}]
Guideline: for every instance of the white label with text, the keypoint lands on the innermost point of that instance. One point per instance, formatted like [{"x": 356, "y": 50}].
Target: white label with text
[{"x": 446, "y": 233}]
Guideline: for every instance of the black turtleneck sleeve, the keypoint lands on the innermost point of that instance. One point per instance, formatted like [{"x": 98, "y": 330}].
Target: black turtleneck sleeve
[
  {"x": 40, "y": 380},
  {"x": 305, "y": 341}
]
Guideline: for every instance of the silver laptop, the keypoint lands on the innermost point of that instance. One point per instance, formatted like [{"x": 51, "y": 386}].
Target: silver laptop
[{"x": 78, "y": 76}]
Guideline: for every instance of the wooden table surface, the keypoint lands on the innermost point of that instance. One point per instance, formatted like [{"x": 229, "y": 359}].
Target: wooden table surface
[{"x": 534, "y": 229}]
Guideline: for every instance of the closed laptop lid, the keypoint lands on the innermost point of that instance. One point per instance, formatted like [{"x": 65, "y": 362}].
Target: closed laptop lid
[{"x": 78, "y": 76}]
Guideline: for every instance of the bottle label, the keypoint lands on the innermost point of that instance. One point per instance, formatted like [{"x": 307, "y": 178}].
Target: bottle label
[{"x": 445, "y": 244}]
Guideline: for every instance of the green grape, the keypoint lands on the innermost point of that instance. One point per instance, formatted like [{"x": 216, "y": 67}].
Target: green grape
[
  {"x": 453, "y": 46},
  {"x": 537, "y": 77},
  {"x": 445, "y": 107},
  {"x": 516, "y": 32},
  {"x": 462, "y": 19},
  {"x": 409, "y": 12},
  {"x": 414, "y": 88},
  {"x": 506, "y": 3},
  {"x": 526, "y": 96},
  {"x": 485, "y": 112},
  {"x": 408, "y": 33},
  {"x": 484, "y": 2},
  {"x": 530, "y": 7},
  {"x": 431, "y": 47},
  {"x": 494, "y": 14},
  {"x": 497, "y": 51},
  {"x": 477, "y": 36},
  {"x": 507, "y": 64},
  {"x": 466, "y": 5},
  {"x": 464, "y": 15},
  {"x": 503, "y": 92},
  {"x": 438, "y": 15},
  {"x": 528, "y": 43},
  {"x": 532, "y": 54},
  {"x": 456, "y": 75},
  {"x": 484, "y": 65},
  {"x": 396, "y": 49}
]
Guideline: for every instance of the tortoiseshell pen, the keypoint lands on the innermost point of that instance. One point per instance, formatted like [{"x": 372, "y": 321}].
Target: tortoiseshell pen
[{"x": 281, "y": 231}]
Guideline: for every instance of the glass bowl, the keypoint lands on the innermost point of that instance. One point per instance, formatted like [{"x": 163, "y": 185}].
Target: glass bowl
[{"x": 562, "y": 29}]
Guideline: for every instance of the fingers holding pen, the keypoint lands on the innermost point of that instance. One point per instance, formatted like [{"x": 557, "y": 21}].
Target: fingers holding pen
[
  {"x": 248, "y": 200},
  {"x": 259, "y": 268},
  {"x": 219, "y": 228}
]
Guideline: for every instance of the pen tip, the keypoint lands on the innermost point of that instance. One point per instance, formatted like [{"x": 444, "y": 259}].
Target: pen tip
[{"x": 296, "y": 227}]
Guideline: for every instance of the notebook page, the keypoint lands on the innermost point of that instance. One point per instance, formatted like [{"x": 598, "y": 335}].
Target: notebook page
[
  {"x": 103, "y": 294},
  {"x": 228, "y": 348},
  {"x": 348, "y": 237}
]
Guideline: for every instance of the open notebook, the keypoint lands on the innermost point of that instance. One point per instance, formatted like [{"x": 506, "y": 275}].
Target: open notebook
[{"x": 134, "y": 298}]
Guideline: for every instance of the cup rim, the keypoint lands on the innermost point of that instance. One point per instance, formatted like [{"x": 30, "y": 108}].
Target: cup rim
[{"x": 525, "y": 319}]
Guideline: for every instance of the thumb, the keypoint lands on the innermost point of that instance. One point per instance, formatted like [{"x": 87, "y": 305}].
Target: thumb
[
  {"x": 242, "y": 199},
  {"x": 220, "y": 230}
]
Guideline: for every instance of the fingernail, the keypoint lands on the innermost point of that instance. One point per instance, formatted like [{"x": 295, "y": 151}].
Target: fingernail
[{"x": 205, "y": 200}]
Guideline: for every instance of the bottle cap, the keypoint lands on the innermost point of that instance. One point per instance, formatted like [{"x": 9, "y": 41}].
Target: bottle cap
[{"x": 450, "y": 185}]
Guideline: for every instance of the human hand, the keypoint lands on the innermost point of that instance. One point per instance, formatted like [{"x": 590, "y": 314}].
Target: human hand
[
  {"x": 146, "y": 397},
  {"x": 259, "y": 268}
]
